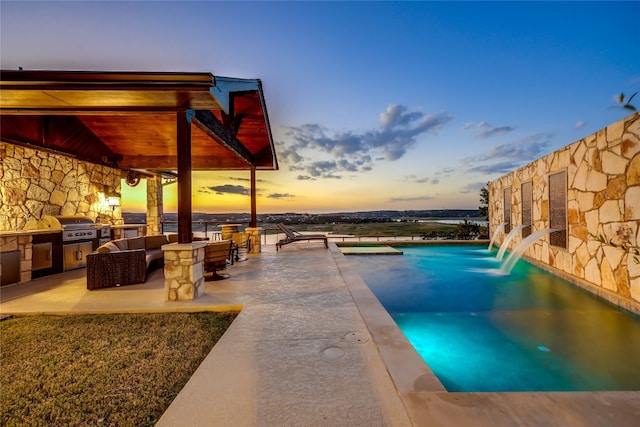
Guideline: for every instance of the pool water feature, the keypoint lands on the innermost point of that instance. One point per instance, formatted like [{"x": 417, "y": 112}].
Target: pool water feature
[
  {"x": 508, "y": 239},
  {"x": 481, "y": 330}
]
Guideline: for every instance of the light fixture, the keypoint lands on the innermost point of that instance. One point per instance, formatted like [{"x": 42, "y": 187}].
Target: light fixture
[{"x": 113, "y": 200}]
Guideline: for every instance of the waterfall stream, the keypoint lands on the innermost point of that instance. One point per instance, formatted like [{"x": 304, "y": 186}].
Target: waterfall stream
[
  {"x": 517, "y": 253},
  {"x": 495, "y": 234},
  {"x": 508, "y": 239}
]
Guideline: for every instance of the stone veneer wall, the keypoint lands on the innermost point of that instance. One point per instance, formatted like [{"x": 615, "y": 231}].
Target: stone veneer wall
[
  {"x": 35, "y": 183},
  {"x": 603, "y": 211},
  {"x": 184, "y": 271},
  {"x": 154, "y": 205}
]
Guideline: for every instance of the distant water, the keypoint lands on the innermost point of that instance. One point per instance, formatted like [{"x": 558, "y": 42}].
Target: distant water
[{"x": 478, "y": 221}]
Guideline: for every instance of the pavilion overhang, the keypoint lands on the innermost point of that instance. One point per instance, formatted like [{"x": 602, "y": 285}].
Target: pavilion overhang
[{"x": 141, "y": 120}]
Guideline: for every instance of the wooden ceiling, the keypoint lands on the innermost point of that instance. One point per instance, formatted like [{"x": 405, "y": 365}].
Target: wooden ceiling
[{"x": 128, "y": 120}]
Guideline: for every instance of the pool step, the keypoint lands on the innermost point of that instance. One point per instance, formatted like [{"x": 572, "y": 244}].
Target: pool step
[{"x": 370, "y": 250}]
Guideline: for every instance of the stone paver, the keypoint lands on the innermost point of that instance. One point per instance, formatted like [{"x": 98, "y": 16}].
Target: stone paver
[{"x": 313, "y": 347}]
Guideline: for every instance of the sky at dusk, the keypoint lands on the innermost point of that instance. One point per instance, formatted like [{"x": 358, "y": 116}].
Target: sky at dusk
[{"x": 372, "y": 105}]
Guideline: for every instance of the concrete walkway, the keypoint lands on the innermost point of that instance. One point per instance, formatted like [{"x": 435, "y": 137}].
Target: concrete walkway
[{"x": 313, "y": 347}]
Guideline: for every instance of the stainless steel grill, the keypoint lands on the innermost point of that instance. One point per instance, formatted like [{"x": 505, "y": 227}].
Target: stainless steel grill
[
  {"x": 77, "y": 228},
  {"x": 104, "y": 233},
  {"x": 79, "y": 238}
]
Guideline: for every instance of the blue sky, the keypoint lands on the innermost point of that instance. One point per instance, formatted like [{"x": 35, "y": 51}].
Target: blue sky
[{"x": 373, "y": 105}]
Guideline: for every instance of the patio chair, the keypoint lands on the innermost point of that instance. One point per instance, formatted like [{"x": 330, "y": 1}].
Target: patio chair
[
  {"x": 216, "y": 255},
  {"x": 241, "y": 245},
  {"x": 294, "y": 236}
]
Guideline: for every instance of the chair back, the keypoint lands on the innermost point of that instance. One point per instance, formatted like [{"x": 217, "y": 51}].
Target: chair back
[
  {"x": 286, "y": 230},
  {"x": 216, "y": 254},
  {"x": 242, "y": 240}
]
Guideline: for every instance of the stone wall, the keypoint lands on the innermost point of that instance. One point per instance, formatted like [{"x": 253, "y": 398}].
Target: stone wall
[
  {"x": 602, "y": 211},
  {"x": 184, "y": 271},
  {"x": 155, "y": 210},
  {"x": 35, "y": 183}
]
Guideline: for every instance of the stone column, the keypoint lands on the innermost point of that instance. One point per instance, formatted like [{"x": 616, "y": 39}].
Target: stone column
[
  {"x": 183, "y": 271},
  {"x": 154, "y": 205},
  {"x": 254, "y": 235}
]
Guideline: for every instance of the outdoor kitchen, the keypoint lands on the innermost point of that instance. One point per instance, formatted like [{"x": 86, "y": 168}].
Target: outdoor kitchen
[
  {"x": 55, "y": 210},
  {"x": 70, "y": 139},
  {"x": 59, "y": 244}
]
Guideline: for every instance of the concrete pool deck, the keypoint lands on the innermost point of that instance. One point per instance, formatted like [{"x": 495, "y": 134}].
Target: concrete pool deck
[{"x": 312, "y": 346}]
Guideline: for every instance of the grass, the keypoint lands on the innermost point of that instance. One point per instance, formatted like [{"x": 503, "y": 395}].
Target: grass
[
  {"x": 385, "y": 229},
  {"x": 100, "y": 370}
]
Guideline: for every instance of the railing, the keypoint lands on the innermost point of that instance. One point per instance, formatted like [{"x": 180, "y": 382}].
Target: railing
[
  {"x": 270, "y": 236},
  {"x": 199, "y": 228}
]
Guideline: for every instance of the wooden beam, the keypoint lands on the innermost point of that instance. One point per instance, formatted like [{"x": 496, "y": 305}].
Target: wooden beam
[
  {"x": 254, "y": 214},
  {"x": 59, "y": 134},
  {"x": 210, "y": 124},
  {"x": 183, "y": 125},
  {"x": 233, "y": 122},
  {"x": 169, "y": 162}
]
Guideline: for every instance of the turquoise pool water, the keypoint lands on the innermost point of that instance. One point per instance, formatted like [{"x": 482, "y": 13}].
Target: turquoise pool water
[{"x": 480, "y": 331}]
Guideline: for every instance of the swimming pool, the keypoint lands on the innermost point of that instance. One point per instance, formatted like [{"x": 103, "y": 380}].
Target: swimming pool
[{"x": 480, "y": 330}]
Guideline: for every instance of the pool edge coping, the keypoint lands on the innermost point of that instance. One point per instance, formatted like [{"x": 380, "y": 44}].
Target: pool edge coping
[{"x": 426, "y": 399}]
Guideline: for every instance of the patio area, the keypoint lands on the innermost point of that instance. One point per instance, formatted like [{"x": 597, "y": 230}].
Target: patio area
[{"x": 312, "y": 346}]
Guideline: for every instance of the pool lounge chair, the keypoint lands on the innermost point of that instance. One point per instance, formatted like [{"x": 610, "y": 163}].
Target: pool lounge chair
[{"x": 294, "y": 236}]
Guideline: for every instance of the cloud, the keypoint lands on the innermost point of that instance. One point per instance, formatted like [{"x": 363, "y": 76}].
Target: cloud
[
  {"x": 321, "y": 153},
  {"x": 236, "y": 178},
  {"x": 226, "y": 189},
  {"x": 506, "y": 157},
  {"x": 281, "y": 196},
  {"x": 501, "y": 167},
  {"x": 421, "y": 180},
  {"x": 445, "y": 171},
  {"x": 473, "y": 187},
  {"x": 485, "y": 130},
  {"x": 580, "y": 124}
]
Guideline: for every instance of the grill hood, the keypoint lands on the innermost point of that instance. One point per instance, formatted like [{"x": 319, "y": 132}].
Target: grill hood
[
  {"x": 74, "y": 222},
  {"x": 62, "y": 222}
]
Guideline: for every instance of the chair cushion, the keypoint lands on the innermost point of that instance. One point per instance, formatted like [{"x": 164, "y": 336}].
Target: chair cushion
[
  {"x": 123, "y": 244},
  {"x": 108, "y": 247},
  {"x": 152, "y": 255},
  {"x": 136, "y": 242},
  {"x": 155, "y": 242}
]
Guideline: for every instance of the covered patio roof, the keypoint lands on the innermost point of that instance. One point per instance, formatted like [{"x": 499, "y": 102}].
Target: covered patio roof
[
  {"x": 142, "y": 121},
  {"x": 128, "y": 119}
]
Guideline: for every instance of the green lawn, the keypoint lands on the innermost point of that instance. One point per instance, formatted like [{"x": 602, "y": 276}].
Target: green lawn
[
  {"x": 427, "y": 230},
  {"x": 387, "y": 229},
  {"x": 100, "y": 370}
]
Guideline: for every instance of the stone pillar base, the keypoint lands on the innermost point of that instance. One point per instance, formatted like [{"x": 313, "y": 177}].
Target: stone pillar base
[
  {"x": 254, "y": 235},
  {"x": 183, "y": 271}
]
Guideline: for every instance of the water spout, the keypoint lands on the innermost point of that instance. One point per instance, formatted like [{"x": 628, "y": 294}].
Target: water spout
[
  {"x": 517, "y": 253},
  {"x": 495, "y": 234},
  {"x": 508, "y": 239}
]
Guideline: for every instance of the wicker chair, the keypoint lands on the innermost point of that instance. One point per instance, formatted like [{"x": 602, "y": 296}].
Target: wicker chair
[
  {"x": 107, "y": 270},
  {"x": 124, "y": 261}
]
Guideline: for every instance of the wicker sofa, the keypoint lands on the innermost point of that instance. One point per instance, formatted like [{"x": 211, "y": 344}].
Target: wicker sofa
[{"x": 125, "y": 261}]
